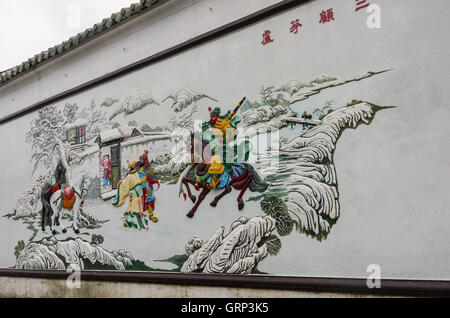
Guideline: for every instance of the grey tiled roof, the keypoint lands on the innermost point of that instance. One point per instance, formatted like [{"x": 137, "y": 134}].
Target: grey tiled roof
[{"x": 77, "y": 40}]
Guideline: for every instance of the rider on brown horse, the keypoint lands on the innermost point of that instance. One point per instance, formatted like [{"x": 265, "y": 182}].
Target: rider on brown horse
[{"x": 218, "y": 164}]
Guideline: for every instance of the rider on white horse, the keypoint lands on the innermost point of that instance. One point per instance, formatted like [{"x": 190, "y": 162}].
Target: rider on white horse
[
  {"x": 68, "y": 198},
  {"x": 65, "y": 200}
]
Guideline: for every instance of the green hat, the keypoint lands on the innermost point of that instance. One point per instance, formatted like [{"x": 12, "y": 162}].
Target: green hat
[{"x": 216, "y": 111}]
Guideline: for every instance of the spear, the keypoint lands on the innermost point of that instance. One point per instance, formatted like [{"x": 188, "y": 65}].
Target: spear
[{"x": 234, "y": 112}]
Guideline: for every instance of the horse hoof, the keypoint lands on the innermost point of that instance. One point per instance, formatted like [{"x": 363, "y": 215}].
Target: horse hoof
[
  {"x": 43, "y": 229},
  {"x": 190, "y": 215},
  {"x": 64, "y": 231},
  {"x": 76, "y": 231},
  {"x": 193, "y": 198},
  {"x": 241, "y": 206},
  {"x": 54, "y": 232},
  {"x": 213, "y": 204}
]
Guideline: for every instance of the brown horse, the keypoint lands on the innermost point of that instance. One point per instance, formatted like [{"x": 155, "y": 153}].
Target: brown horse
[{"x": 242, "y": 177}]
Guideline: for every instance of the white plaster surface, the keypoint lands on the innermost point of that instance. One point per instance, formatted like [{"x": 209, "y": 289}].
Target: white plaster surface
[{"x": 41, "y": 288}]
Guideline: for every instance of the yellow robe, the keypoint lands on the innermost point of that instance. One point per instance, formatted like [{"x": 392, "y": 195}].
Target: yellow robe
[{"x": 125, "y": 190}]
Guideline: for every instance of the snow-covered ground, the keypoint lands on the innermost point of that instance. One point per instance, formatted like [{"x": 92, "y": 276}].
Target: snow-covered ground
[
  {"x": 170, "y": 235},
  {"x": 237, "y": 252},
  {"x": 164, "y": 239},
  {"x": 52, "y": 253}
]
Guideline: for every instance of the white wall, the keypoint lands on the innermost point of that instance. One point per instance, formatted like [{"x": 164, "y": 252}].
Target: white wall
[
  {"x": 393, "y": 174},
  {"x": 48, "y": 288}
]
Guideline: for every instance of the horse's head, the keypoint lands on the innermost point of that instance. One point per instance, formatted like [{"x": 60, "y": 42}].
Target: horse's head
[{"x": 82, "y": 183}]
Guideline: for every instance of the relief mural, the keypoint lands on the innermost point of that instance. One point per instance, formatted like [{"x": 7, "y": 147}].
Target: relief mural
[
  {"x": 86, "y": 160},
  {"x": 306, "y": 144}
]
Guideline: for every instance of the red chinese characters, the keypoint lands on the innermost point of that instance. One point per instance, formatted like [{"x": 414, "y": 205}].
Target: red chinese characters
[
  {"x": 326, "y": 16},
  {"x": 360, "y": 4},
  {"x": 295, "y": 25},
  {"x": 266, "y": 38}
]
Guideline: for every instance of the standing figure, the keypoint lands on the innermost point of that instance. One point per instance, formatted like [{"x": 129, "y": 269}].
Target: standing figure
[
  {"x": 148, "y": 187},
  {"x": 132, "y": 187},
  {"x": 106, "y": 164}
]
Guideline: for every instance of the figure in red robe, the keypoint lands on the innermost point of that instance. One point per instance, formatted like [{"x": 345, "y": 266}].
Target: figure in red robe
[{"x": 150, "y": 186}]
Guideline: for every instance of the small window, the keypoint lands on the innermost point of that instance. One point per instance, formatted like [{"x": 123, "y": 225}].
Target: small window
[
  {"x": 81, "y": 135},
  {"x": 72, "y": 136},
  {"x": 76, "y": 136}
]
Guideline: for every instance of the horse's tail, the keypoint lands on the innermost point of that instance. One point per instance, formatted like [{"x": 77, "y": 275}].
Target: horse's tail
[
  {"x": 46, "y": 210},
  {"x": 258, "y": 184},
  {"x": 46, "y": 194}
]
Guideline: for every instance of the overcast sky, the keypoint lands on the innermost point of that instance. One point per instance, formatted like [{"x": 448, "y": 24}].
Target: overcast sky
[{"x": 28, "y": 27}]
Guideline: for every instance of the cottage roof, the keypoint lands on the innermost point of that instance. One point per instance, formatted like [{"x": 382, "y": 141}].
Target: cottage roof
[
  {"x": 110, "y": 135},
  {"x": 117, "y": 18},
  {"x": 120, "y": 132},
  {"x": 128, "y": 131},
  {"x": 77, "y": 123}
]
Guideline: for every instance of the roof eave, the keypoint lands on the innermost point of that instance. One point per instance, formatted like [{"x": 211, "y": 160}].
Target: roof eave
[{"x": 117, "y": 19}]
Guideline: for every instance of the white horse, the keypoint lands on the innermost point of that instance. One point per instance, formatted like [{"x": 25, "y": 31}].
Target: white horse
[{"x": 68, "y": 200}]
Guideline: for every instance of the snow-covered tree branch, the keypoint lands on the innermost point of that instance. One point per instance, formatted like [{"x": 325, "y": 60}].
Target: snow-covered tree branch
[{"x": 48, "y": 131}]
